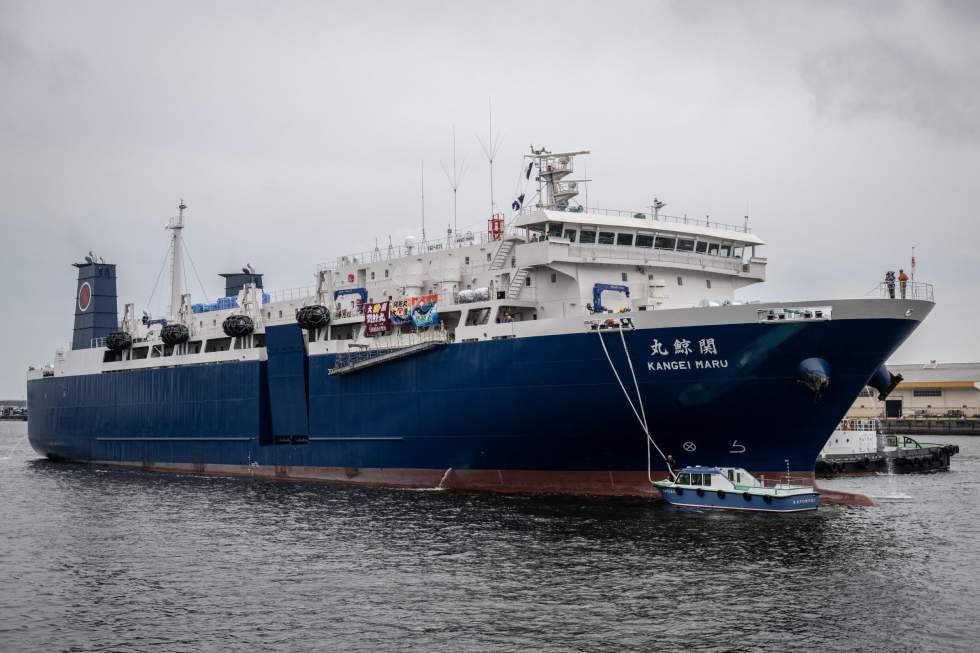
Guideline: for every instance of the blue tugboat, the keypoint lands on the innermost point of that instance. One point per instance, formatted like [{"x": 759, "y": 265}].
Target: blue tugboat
[{"x": 733, "y": 488}]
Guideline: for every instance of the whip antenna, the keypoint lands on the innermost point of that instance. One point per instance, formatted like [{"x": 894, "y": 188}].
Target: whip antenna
[{"x": 490, "y": 149}]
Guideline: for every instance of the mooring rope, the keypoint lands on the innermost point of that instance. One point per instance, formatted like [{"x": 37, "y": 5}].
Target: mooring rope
[{"x": 641, "y": 415}]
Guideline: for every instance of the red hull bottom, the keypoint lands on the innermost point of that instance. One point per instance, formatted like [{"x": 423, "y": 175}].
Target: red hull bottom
[{"x": 589, "y": 483}]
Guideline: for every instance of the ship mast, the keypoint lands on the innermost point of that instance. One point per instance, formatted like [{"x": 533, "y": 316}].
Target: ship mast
[
  {"x": 554, "y": 191},
  {"x": 176, "y": 226}
]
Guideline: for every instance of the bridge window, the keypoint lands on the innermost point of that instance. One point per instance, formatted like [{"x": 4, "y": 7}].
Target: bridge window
[
  {"x": 588, "y": 236},
  {"x": 685, "y": 245},
  {"x": 644, "y": 240},
  {"x": 927, "y": 392},
  {"x": 701, "y": 247},
  {"x": 606, "y": 237},
  {"x": 726, "y": 250},
  {"x": 663, "y": 242},
  {"x": 712, "y": 249},
  {"x": 570, "y": 235},
  {"x": 624, "y": 239},
  {"x": 554, "y": 229}
]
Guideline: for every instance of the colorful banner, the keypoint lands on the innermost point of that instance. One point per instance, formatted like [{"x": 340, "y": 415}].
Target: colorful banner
[
  {"x": 401, "y": 309},
  {"x": 376, "y": 318},
  {"x": 425, "y": 315}
]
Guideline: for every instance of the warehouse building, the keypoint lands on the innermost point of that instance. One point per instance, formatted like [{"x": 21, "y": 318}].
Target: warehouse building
[{"x": 933, "y": 390}]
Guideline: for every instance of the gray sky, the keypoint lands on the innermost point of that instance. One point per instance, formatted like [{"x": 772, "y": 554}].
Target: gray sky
[{"x": 294, "y": 132}]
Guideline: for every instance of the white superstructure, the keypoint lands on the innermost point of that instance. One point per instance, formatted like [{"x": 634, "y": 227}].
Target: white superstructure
[{"x": 553, "y": 261}]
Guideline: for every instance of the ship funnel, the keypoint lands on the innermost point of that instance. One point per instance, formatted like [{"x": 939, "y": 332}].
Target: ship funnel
[
  {"x": 884, "y": 382},
  {"x": 814, "y": 375},
  {"x": 96, "y": 315},
  {"x": 235, "y": 281}
]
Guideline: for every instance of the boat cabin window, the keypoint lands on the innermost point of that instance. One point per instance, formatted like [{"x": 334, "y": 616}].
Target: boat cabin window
[
  {"x": 696, "y": 479},
  {"x": 685, "y": 245},
  {"x": 726, "y": 250},
  {"x": 570, "y": 235},
  {"x": 644, "y": 240},
  {"x": 738, "y": 252},
  {"x": 712, "y": 249},
  {"x": 139, "y": 353},
  {"x": 662, "y": 242},
  {"x": 624, "y": 239},
  {"x": 684, "y": 479},
  {"x": 554, "y": 229},
  {"x": 706, "y": 479},
  {"x": 588, "y": 236},
  {"x": 477, "y": 316},
  {"x": 606, "y": 237},
  {"x": 701, "y": 247}
]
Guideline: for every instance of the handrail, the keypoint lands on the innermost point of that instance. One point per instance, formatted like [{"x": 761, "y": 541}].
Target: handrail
[
  {"x": 905, "y": 290},
  {"x": 461, "y": 239},
  {"x": 643, "y": 215},
  {"x": 285, "y": 294}
]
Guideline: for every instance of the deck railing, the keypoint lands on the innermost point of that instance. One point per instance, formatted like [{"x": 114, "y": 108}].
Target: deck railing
[
  {"x": 660, "y": 217},
  {"x": 906, "y": 290}
]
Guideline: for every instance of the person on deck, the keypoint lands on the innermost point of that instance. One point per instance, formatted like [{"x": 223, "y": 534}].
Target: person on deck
[
  {"x": 890, "y": 282},
  {"x": 903, "y": 279}
]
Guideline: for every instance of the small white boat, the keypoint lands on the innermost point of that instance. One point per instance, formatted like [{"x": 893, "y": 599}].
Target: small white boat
[{"x": 733, "y": 488}]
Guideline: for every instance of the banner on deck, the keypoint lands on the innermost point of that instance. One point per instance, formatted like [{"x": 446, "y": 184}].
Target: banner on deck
[
  {"x": 425, "y": 315},
  {"x": 376, "y": 318},
  {"x": 401, "y": 309}
]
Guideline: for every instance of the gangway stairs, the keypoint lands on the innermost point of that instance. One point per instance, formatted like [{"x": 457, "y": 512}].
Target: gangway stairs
[
  {"x": 359, "y": 359},
  {"x": 503, "y": 252},
  {"x": 514, "y": 290}
]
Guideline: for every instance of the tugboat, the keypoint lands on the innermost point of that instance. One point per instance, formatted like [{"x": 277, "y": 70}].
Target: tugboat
[
  {"x": 733, "y": 488},
  {"x": 858, "y": 446}
]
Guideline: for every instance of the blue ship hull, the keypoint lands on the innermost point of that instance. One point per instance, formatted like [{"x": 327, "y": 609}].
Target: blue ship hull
[{"x": 532, "y": 413}]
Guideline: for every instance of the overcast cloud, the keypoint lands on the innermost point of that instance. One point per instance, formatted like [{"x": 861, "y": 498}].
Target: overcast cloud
[{"x": 294, "y": 132}]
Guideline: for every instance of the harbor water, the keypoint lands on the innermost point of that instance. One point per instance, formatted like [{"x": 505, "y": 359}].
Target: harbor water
[{"x": 96, "y": 558}]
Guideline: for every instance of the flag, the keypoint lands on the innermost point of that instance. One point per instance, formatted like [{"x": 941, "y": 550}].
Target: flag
[
  {"x": 530, "y": 166},
  {"x": 518, "y": 203}
]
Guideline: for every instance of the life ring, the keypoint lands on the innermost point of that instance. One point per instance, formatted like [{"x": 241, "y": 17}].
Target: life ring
[
  {"x": 767, "y": 498},
  {"x": 746, "y": 496},
  {"x": 700, "y": 492},
  {"x": 721, "y": 494},
  {"x": 679, "y": 491}
]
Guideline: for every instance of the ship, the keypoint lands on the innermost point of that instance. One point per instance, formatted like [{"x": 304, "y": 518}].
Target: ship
[
  {"x": 562, "y": 349},
  {"x": 859, "y": 446}
]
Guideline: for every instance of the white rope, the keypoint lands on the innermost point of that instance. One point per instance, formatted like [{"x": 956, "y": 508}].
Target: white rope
[{"x": 642, "y": 420}]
